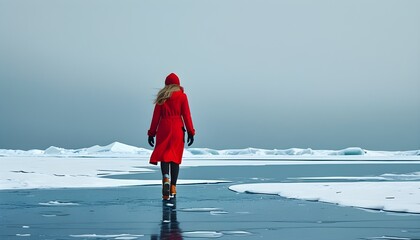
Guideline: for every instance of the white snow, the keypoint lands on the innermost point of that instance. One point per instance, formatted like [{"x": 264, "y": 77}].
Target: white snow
[
  {"x": 339, "y": 178},
  {"x": 387, "y": 196},
  {"x": 199, "y": 209},
  {"x": 213, "y": 234},
  {"x": 236, "y": 233},
  {"x": 56, "y": 172},
  {"x": 117, "y": 149},
  {"x": 202, "y": 234},
  {"x": 212, "y": 211},
  {"x": 86, "y": 167},
  {"x": 384, "y": 177},
  {"x": 218, "y": 212},
  {"x": 391, "y": 238},
  {"x": 82, "y": 172},
  {"x": 23, "y": 234},
  {"x": 58, "y": 203}
]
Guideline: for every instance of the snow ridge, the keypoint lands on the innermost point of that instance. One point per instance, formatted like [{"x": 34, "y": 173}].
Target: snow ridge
[{"x": 117, "y": 149}]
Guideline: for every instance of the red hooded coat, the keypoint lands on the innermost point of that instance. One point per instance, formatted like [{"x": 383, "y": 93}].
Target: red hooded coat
[{"x": 168, "y": 126}]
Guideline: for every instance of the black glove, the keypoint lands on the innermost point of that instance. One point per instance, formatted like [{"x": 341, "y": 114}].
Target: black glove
[
  {"x": 151, "y": 141},
  {"x": 190, "y": 139}
]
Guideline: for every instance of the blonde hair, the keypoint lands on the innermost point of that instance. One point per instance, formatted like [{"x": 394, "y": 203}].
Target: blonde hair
[{"x": 166, "y": 93}]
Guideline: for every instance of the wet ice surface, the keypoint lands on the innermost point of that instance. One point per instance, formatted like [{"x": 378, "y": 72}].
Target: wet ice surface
[{"x": 205, "y": 211}]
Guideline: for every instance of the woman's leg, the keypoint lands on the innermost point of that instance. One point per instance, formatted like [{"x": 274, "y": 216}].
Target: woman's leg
[
  {"x": 174, "y": 173},
  {"x": 164, "y": 167}
]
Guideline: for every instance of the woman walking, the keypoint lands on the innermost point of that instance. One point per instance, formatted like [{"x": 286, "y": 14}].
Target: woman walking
[{"x": 171, "y": 114}]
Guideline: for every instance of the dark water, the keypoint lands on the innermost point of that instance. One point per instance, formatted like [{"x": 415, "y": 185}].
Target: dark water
[{"x": 111, "y": 212}]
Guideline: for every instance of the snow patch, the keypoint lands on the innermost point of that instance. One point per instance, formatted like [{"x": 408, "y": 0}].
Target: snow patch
[
  {"x": 218, "y": 212},
  {"x": 199, "y": 209},
  {"x": 202, "y": 234},
  {"x": 58, "y": 203},
  {"x": 384, "y": 177},
  {"x": 332, "y": 178},
  {"x": 236, "y": 233},
  {"x": 387, "y": 196},
  {"x": 23, "y": 234},
  {"x": 57, "y": 172},
  {"x": 390, "y": 238},
  {"x": 115, "y": 236},
  {"x": 404, "y": 177},
  {"x": 213, "y": 234}
]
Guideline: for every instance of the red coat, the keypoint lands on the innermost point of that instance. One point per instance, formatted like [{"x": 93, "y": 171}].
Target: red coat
[{"x": 168, "y": 126}]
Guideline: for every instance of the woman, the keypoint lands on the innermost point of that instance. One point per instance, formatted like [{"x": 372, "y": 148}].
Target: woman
[{"x": 171, "y": 114}]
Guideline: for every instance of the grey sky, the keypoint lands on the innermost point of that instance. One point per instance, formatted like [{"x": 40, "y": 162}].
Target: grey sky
[{"x": 267, "y": 74}]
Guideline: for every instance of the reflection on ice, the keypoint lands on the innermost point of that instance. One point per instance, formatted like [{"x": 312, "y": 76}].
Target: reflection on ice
[{"x": 169, "y": 227}]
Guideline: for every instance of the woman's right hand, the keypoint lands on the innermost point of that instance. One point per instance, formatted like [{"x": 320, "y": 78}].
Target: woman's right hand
[
  {"x": 190, "y": 139},
  {"x": 151, "y": 141}
]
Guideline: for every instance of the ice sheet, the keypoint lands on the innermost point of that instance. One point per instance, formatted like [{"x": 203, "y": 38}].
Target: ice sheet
[
  {"x": 80, "y": 172},
  {"x": 387, "y": 196}
]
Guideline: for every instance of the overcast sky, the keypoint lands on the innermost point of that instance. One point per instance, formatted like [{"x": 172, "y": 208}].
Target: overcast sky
[{"x": 266, "y": 74}]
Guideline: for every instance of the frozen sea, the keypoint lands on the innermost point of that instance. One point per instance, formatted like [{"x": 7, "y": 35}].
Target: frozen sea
[
  {"x": 207, "y": 211},
  {"x": 220, "y": 206}
]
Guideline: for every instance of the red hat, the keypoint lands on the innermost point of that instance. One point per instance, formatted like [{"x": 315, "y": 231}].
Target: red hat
[{"x": 172, "y": 79}]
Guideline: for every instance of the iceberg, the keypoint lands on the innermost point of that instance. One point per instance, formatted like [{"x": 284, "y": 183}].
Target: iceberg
[
  {"x": 351, "y": 151},
  {"x": 115, "y": 147},
  {"x": 56, "y": 151}
]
